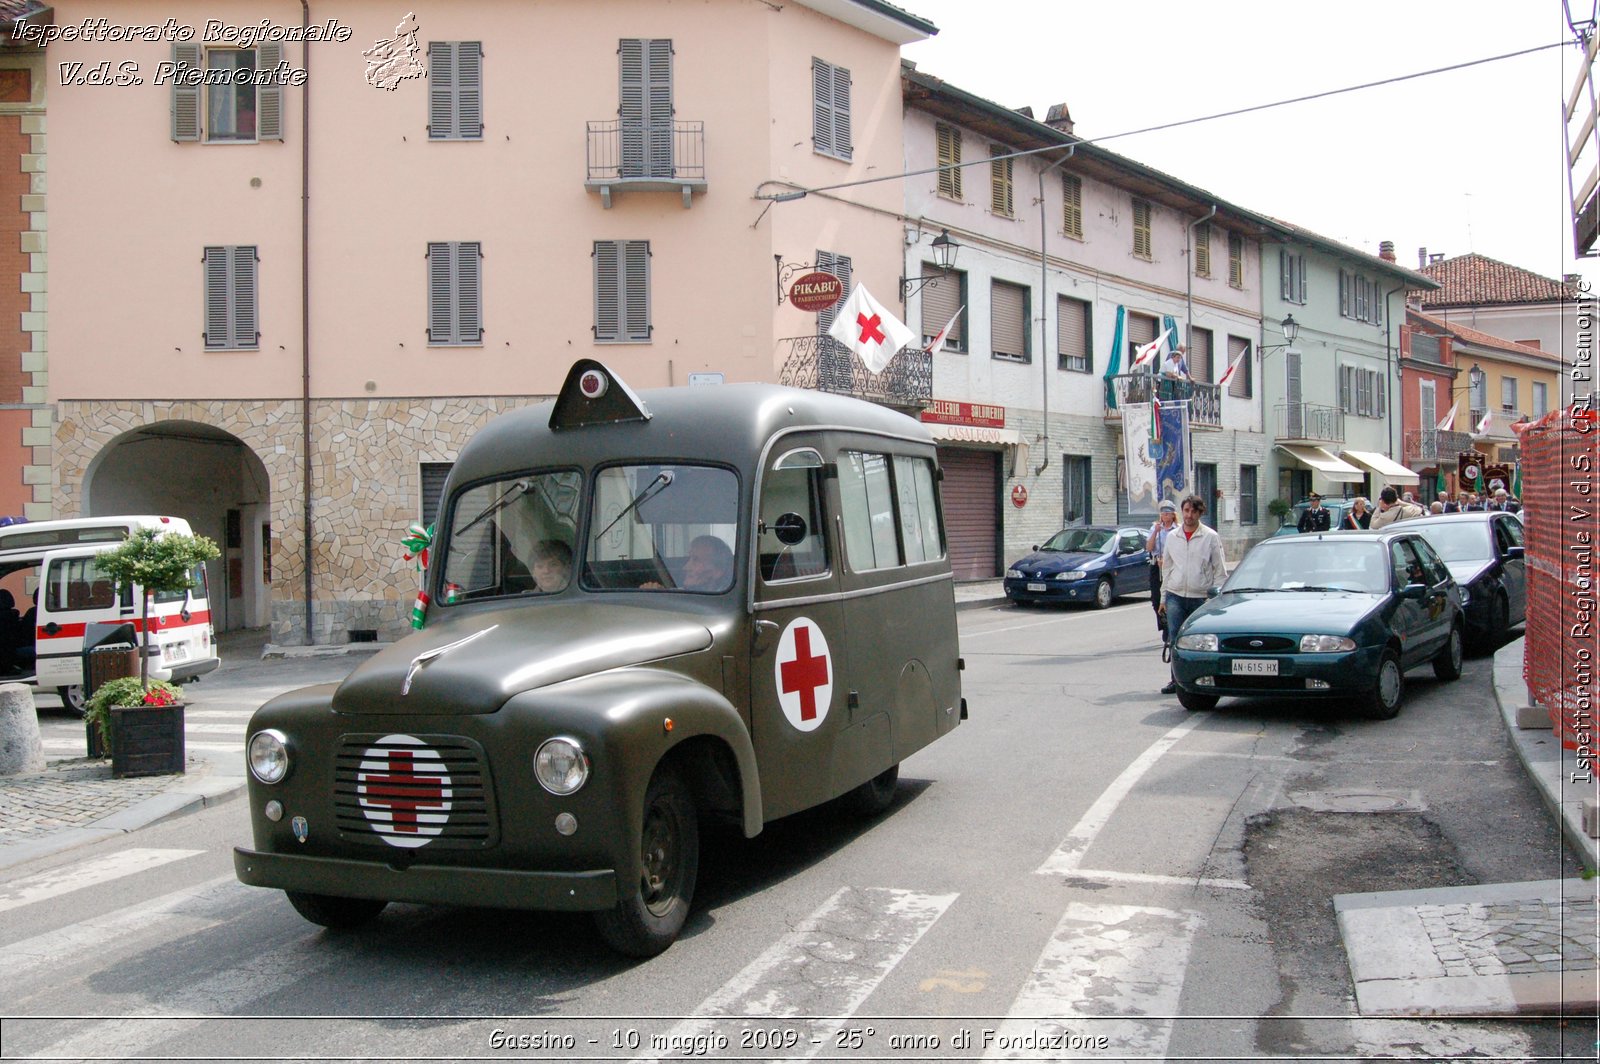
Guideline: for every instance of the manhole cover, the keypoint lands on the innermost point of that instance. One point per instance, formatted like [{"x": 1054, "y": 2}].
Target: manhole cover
[{"x": 1360, "y": 800}]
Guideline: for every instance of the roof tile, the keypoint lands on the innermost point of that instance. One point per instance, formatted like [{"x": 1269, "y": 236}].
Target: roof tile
[{"x": 1476, "y": 280}]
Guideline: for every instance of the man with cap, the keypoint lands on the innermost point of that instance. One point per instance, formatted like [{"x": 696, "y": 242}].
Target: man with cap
[
  {"x": 1155, "y": 543},
  {"x": 1317, "y": 517}
]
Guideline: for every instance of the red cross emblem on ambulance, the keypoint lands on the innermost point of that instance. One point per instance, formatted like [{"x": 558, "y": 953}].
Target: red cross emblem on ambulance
[
  {"x": 803, "y": 671},
  {"x": 404, "y": 791}
]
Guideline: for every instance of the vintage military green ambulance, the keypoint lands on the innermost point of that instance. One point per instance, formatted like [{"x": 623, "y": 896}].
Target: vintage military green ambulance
[{"x": 646, "y": 610}]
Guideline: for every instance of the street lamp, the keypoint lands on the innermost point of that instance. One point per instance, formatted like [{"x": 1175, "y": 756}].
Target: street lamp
[
  {"x": 1291, "y": 333},
  {"x": 944, "y": 257}
]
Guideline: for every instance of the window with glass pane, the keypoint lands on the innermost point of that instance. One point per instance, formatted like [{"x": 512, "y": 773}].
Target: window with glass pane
[
  {"x": 502, "y": 533},
  {"x": 793, "y": 488},
  {"x": 1247, "y": 495},
  {"x": 919, "y": 509},
  {"x": 230, "y": 106},
  {"x": 663, "y": 527},
  {"x": 866, "y": 499},
  {"x": 79, "y": 584}
]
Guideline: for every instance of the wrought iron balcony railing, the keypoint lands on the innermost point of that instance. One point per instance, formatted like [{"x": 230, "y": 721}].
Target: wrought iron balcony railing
[
  {"x": 1431, "y": 445},
  {"x": 646, "y": 156},
  {"x": 1205, "y": 400},
  {"x": 824, "y": 364},
  {"x": 1309, "y": 422}
]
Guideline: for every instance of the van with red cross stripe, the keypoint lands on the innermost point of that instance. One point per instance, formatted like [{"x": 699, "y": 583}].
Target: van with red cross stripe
[
  {"x": 641, "y": 611},
  {"x": 51, "y": 589}
]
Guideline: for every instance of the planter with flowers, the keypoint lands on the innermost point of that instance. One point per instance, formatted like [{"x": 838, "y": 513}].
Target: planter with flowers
[
  {"x": 141, "y": 721},
  {"x": 141, "y": 727}
]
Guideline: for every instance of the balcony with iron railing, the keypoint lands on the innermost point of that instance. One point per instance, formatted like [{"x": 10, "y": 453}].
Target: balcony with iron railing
[
  {"x": 824, "y": 364},
  {"x": 1424, "y": 446},
  {"x": 1308, "y": 423},
  {"x": 1205, "y": 400},
  {"x": 646, "y": 157}
]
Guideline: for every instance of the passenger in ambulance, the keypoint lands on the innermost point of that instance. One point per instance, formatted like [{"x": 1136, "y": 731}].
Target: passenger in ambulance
[{"x": 552, "y": 565}]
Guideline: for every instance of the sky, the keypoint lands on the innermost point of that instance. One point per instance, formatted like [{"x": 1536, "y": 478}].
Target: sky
[{"x": 1471, "y": 160}]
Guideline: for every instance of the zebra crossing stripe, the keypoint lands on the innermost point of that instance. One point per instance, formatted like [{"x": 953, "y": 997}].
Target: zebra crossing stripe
[
  {"x": 1108, "y": 980},
  {"x": 90, "y": 873},
  {"x": 826, "y": 966}
]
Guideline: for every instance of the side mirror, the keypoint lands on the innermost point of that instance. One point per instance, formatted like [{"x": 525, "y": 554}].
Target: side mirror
[
  {"x": 1515, "y": 552},
  {"x": 790, "y": 528},
  {"x": 1414, "y": 591}
]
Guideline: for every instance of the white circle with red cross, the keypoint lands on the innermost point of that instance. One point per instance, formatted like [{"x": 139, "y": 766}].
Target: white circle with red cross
[
  {"x": 803, "y": 671},
  {"x": 403, "y": 789}
]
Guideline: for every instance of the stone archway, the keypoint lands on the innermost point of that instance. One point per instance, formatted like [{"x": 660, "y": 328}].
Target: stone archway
[{"x": 213, "y": 480}]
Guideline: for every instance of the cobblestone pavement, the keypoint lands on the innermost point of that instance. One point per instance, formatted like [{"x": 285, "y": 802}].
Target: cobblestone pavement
[
  {"x": 74, "y": 793},
  {"x": 1512, "y": 938}
]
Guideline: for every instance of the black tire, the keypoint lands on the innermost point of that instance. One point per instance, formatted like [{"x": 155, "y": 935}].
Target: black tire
[
  {"x": 648, "y": 921},
  {"x": 1499, "y": 622},
  {"x": 875, "y": 795},
  {"x": 72, "y": 699},
  {"x": 1196, "y": 703},
  {"x": 1447, "y": 663},
  {"x": 341, "y": 914},
  {"x": 1103, "y": 595},
  {"x": 1388, "y": 689}
]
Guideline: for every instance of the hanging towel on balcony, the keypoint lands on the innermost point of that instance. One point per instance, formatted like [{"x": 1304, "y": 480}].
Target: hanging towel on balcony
[
  {"x": 869, "y": 330},
  {"x": 1114, "y": 363}
]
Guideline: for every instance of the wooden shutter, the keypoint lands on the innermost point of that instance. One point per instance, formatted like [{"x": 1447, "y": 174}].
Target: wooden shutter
[
  {"x": 469, "y": 90},
  {"x": 658, "y": 102},
  {"x": 940, "y": 300},
  {"x": 607, "y": 291},
  {"x": 645, "y": 106},
  {"x": 1240, "y": 384},
  {"x": 1286, "y": 275},
  {"x": 245, "y": 329},
  {"x": 842, "y": 145},
  {"x": 1072, "y": 205},
  {"x": 1008, "y": 327},
  {"x": 1202, "y": 251},
  {"x": 1236, "y": 260},
  {"x": 269, "y": 98},
  {"x": 839, "y": 266},
  {"x": 636, "y": 289},
  {"x": 1345, "y": 398},
  {"x": 231, "y": 302},
  {"x": 1000, "y": 193},
  {"x": 217, "y": 316},
  {"x": 441, "y": 90},
  {"x": 441, "y": 321},
  {"x": 1072, "y": 335},
  {"x": 1141, "y": 228},
  {"x": 185, "y": 93},
  {"x": 1200, "y": 362},
  {"x": 469, "y": 292},
  {"x": 948, "y": 139},
  {"x": 830, "y": 109}
]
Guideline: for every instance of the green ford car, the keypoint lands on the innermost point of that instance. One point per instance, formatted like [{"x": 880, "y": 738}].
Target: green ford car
[
  {"x": 641, "y": 611},
  {"x": 1330, "y": 614}
]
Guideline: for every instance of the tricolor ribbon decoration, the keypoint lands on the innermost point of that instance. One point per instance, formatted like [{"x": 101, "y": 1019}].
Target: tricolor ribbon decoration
[{"x": 416, "y": 541}]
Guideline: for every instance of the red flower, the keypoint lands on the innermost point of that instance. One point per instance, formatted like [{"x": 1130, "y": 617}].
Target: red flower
[{"x": 158, "y": 697}]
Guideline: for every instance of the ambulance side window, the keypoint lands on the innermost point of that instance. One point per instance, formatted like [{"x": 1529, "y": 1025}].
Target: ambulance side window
[
  {"x": 866, "y": 499},
  {"x": 793, "y": 486},
  {"x": 78, "y": 584},
  {"x": 919, "y": 509}
]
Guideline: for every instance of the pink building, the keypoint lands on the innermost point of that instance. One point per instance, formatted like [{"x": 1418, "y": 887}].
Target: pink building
[{"x": 336, "y": 248}]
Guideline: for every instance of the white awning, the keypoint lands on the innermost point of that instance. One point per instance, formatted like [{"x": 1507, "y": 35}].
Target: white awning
[
  {"x": 973, "y": 434},
  {"x": 1382, "y": 465},
  {"x": 1323, "y": 462}
]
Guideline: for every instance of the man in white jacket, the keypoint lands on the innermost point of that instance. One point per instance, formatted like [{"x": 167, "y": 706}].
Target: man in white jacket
[{"x": 1192, "y": 568}]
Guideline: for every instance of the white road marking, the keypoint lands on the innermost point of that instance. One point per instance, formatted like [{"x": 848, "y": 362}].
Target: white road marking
[
  {"x": 237, "y": 728},
  {"x": 1103, "y": 968},
  {"x": 1016, "y": 627},
  {"x": 89, "y": 873},
  {"x": 827, "y": 966},
  {"x": 1108, "y": 876},
  {"x": 166, "y": 918}
]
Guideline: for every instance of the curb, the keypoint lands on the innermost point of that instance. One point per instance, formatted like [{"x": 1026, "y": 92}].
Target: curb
[
  {"x": 188, "y": 797},
  {"x": 338, "y": 650},
  {"x": 1541, "y": 754}
]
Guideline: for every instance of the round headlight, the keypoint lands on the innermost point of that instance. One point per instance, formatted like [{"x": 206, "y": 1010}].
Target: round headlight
[
  {"x": 269, "y": 756},
  {"x": 561, "y": 766}
]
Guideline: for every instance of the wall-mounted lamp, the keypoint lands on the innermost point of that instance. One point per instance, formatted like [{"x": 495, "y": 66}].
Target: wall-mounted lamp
[
  {"x": 1291, "y": 333},
  {"x": 944, "y": 257}
]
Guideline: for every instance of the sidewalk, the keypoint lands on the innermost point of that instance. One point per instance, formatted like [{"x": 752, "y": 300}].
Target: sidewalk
[{"x": 1489, "y": 949}]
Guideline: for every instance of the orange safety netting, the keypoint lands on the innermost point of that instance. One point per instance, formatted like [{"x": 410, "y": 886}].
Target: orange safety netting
[{"x": 1561, "y": 500}]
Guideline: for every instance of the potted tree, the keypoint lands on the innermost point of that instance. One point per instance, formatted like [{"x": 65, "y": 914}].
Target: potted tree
[{"x": 140, "y": 722}]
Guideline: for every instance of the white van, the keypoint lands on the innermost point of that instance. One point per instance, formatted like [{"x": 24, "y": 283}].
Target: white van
[{"x": 51, "y": 589}]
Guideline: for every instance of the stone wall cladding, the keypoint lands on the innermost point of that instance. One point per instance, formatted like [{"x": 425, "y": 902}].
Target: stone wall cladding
[{"x": 366, "y": 456}]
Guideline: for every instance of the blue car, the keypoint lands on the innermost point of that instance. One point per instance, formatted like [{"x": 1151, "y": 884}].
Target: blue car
[{"x": 1088, "y": 565}]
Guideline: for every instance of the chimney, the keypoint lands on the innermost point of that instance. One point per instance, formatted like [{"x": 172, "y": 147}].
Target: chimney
[
  {"x": 1025, "y": 112},
  {"x": 1386, "y": 250},
  {"x": 1572, "y": 278},
  {"x": 1435, "y": 256},
  {"x": 1422, "y": 257},
  {"x": 1058, "y": 118}
]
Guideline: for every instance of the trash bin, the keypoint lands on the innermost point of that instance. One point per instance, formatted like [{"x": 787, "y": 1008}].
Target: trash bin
[{"x": 110, "y": 652}]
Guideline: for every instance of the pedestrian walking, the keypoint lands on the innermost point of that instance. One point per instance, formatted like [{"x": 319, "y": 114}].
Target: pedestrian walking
[
  {"x": 1166, "y": 521},
  {"x": 1317, "y": 517},
  {"x": 1391, "y": 509},
  {"x": 1192, "y": 569}
]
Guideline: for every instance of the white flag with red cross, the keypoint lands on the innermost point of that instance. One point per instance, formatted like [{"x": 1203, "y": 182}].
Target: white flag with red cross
[
  {"x": 1227, "y": 376},
  {"x": 1448, "y": 422},
  {"x": 1141, "y": 356},
  {"x": 865, "y": 327}
]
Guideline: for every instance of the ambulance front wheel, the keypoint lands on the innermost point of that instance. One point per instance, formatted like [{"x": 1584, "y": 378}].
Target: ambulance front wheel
[
  {"x": 341, "y": 914},
  {"x": 648, "y": 920},
  {"x": 72, "y": 698}
]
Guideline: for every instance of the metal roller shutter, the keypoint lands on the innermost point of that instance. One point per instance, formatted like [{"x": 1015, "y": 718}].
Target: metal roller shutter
[{"x": 971, "y": 492}]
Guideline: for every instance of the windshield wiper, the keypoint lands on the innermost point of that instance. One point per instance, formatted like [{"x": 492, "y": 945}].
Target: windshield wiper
[
  {"x": 1242, "y": 589},
  {"x": 649, "y": 491},
  {"x": 521, "y": 487},
  {"x": 1315, "y": 587}
]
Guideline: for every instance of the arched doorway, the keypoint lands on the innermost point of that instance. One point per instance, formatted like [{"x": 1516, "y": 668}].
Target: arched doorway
[{"x": 211, "y": 479}]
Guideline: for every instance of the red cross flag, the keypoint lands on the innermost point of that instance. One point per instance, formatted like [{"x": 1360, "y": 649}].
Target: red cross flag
[
  {"x": 1448, "y": 422},
  {"x": 1226, "y": 377},
  {"x": 1142, "y": 356},
  {"x": 803, "y": 671},
  {"x": 865, "y": 327}
]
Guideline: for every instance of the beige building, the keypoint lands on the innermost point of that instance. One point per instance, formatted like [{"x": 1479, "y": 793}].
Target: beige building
[{"x": 334, "y": 250}]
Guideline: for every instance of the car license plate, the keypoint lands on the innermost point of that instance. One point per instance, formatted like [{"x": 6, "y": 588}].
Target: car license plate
[
  {"x": 1037, "y": 587},
  {"x": 1255, "y": 666},
  {"x": 177, "y": 651}
]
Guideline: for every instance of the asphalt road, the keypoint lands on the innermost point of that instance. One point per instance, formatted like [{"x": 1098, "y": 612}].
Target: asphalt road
[{"x": 1078, "y": 814}]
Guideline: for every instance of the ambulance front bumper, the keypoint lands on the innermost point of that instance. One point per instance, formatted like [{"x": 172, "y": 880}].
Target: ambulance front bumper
[
  {"x": 188, "y": 670},
  {"x": 499, "y": 888}
]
